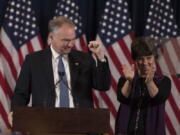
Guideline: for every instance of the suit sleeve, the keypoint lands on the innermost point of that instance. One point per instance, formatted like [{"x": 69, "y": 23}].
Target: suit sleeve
[
  {"x": 22, "y": 91},
  {"x": 101, "y": 76}
]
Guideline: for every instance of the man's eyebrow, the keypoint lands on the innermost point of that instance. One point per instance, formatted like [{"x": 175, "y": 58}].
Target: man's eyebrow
[{"x": 66, "y": 39}]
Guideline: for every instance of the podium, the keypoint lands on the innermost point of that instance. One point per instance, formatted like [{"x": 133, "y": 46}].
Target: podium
[{"x": 60, "y": 121}]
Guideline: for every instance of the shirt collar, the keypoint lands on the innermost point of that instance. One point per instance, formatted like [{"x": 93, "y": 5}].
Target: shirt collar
[{"x": 55, "y": 54}]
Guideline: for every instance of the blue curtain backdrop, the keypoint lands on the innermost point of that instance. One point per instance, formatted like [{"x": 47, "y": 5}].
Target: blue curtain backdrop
[{"x": 91, "y": 11}]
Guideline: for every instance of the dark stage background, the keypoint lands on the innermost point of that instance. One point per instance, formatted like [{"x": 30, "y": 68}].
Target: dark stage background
[{"x": 91, "y": 11}]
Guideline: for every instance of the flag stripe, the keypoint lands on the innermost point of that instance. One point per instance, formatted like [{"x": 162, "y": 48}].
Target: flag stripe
[
  {"x": 95, "y": 99},
  {"x": 173, "y": 56},
  {"x": 162, "y": 62},
  {"x": 177, "y": 84},
  {"x": 113, "y": 68},
  {"x": 125, "y": 50},
  {"x": 167, "y": 131},
  {"x": 5, "y": 86},
  {"x": 168, "y": 60},
  {"x": 113, "y": 97},
  {"x": 9, "y": 60},
  {"x": 169, "y": 122},
  {"x": 23, "y": 51},
  {"x": 128, "y": 40},
  {"x": 170, "y": 48},
  {"x": 77, "y": 45},
  {"x": 6, "y": 72},
  {"x": 83, "y": 43},
  {"x": 176, "y": 46},
  {"x": 109, "y": 103},
  {"x": 104, "y": 105},
  {"x": 115, "y": 59},
  {"x": 118, "y": 51},
  {"x": 20, "y": 55},
  {"x": 6, "y": 42},
  {"x": 169, "y": 125},
  {"x": 173, "y": 87},
  {"x": 174, "y": 107},
  {"x": 5, "y": 100},
  {"x": 99, "y": 103},
  {"x": 114, "y": 84},
  {"x": 169, "y": 55},
  {"x": 29, "y": 47},
  {"x": 113, "y": 53},
  {"x": 112, "y": 119},
  {"x": 80, "y": 44},
  {"x": 15, "y": 44},
  {"x": 37, "y": 43},
  {"x": 175, "y": 92},
  {"x": 2, "y": 124},
  {"x": 172, "y": 117},
  {"x": 4, "y": 115}
]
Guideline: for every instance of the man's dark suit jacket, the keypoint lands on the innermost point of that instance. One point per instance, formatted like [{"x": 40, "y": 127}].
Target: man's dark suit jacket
[{"x": 36, "y": 78}]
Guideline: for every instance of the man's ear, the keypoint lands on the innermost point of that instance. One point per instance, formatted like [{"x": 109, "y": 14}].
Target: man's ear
[{"x": 49, "y": 40}]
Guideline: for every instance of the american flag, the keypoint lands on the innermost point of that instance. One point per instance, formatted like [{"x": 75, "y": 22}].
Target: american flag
[
  {"x": 162, "y": 24},
  {"x": 70, "y": 9},
  {"x": 115, "y": 33},
  {"x": 19, "y": 35}
]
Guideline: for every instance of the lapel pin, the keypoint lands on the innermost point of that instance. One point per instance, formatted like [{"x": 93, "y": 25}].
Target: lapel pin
[{"x": 77, "y": 64}]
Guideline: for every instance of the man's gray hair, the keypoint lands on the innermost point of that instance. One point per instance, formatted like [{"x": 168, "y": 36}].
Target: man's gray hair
[{"x": 57, "y": 22}]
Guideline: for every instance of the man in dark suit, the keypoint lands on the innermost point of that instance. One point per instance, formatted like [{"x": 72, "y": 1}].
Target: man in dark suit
[{"x": 40, "y": 76}]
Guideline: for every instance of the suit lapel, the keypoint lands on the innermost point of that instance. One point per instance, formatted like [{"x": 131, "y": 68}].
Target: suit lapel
[
  {"x": 74, "y": 65},
  {"x": 47, "y": 67}
]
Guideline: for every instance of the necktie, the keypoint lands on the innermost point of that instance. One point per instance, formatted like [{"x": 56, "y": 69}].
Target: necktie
[{"x": 64, "y": 94}]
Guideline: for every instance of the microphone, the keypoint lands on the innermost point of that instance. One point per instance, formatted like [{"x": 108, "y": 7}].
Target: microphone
[{"x": 61, "y": 74}]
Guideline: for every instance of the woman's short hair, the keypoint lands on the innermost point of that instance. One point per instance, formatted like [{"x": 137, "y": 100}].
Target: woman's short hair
[
  {"x": 143, "y": 46},
  {"x": 57, "y": 22}
]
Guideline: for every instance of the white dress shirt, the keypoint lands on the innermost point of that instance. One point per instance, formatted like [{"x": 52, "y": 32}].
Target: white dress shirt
[{"x": 55, "y": 60}]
